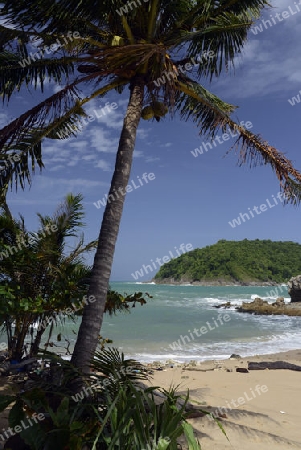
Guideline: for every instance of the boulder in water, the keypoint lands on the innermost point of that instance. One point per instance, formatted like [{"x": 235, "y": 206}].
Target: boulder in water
[{"x": 294, "y": 289}]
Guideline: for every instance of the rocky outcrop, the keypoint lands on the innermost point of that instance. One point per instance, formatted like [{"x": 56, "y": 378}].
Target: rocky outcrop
[
  {"x": 262, "y": 307},
  {"x": 263, "y": 365},
  {"x": 294, "y": 289}
]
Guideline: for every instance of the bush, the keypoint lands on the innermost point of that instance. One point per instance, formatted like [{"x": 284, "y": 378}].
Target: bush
[{"x": 111, "y": 410}]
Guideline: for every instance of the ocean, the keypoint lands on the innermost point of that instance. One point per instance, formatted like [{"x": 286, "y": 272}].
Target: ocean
[{"x": 180, "y": 323}]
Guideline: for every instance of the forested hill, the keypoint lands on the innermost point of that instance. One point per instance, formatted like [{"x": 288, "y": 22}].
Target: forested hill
[{"x": 235, "y": 261}]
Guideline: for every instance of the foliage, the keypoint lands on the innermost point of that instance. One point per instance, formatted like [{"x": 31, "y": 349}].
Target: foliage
[
  {"x": 41, "y": 283},
  {"x": 115, "y": 46},
  {"x": 118, "y": 302},
  {"x": 237, "y": 261},
  {"x": 38, "y": 277},
  {"x": 121, "y": 415}
]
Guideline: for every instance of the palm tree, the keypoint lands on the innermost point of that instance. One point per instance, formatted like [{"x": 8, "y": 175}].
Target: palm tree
[
  {"x": 121, "y": 44},
  {"x": 38, "y": 278}
]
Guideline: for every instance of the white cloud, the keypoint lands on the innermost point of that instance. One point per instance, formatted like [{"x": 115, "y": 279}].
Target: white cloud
[
  {"x": 151, "y": 159},
  {"x": 142, "y": 133},
  {"x": 56, "y": 168},
  {"x": 168, "y": 144},
  {"x": 102, "y": 140},
  {"x": 90, "y": 157},
  {"x": 138, "y": 154},
  {"x": 104, "y": 165}
]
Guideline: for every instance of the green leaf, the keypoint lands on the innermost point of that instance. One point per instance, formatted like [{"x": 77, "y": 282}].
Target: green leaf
[
  {"x": 192, "y": 442},
  {"x": 163, "y": 444}
]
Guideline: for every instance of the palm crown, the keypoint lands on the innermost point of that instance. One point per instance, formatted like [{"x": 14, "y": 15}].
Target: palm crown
[{"x": 110, "y": 44}]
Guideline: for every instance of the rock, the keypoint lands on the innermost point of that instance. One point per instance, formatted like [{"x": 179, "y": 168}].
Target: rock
[
  {"x": 273, "y": 365},
  {"x": 294, "y": 288},
  {"x": 259, "y": 306},
  {"x": 234, "y": 356},
  {"x": 279, "y": 302},
  {"x": 223, "y": 305},
  {"x": 258, "y": 301},
  {"x": 242, "y": 370}
]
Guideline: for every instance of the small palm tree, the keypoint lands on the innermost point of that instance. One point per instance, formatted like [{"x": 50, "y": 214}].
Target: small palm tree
[
  {"x": 121, "y": 44},
  {"x": 38, "y": 278}
]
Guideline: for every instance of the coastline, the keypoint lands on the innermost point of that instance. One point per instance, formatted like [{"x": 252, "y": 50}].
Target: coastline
[
  {"x": 259, "y": 409},
  {"x": 172, "y": 282}
]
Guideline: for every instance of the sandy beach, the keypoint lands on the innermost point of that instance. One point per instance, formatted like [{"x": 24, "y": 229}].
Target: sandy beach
[{"x": 259, "y": 410}]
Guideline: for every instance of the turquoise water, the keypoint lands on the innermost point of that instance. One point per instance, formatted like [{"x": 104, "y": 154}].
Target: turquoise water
[{"x": 150, "y": 332}]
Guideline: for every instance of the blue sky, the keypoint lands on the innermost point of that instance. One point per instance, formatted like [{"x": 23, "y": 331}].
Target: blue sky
[{"x": 192, "y": 199}]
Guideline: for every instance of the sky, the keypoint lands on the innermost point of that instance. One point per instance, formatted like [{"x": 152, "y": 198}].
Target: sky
[{"x": 188, "y": 199}]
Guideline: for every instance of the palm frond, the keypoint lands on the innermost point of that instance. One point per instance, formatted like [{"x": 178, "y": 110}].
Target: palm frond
[
  {"x": 217, "y": 27},
  {"x": 18, "y": 166},
  {"x": 37, "y": 117},
  {"x": 21, "y": 68},
  {"x": 112, "y": 364},
  {"x": 252, "y": 148},
  {"x": 197, "y": 103},
  {"x": 68, "y": 216},
  {"x": 80, "y": 249},
  {"x": 24, "y": 143}
]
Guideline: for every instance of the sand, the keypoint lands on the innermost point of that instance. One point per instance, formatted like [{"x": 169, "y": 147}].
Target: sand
[
  {"x": 259, "y": 410},
  {"x": 262, "y": 408}
]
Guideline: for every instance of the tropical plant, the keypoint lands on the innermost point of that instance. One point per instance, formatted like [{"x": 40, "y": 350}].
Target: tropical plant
[
  {"x": 117, "y": 47},
  {"x": 118, "y": 414},
  {"x": 40, "y": 282}
]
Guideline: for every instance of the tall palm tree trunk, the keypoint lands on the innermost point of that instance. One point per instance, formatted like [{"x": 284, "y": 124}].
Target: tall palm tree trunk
[{"x": 88, "y": 334}]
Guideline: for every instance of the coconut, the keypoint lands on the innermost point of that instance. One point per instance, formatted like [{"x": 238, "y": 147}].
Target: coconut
[
  {"x": 160, "y": 109},
  {"x": 147, "y": 113}
]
